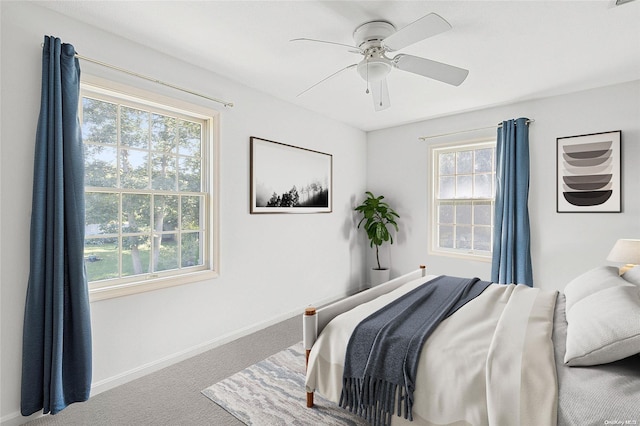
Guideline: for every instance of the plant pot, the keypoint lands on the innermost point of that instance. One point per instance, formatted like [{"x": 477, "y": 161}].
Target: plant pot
[{"x": 379, "y": 276}]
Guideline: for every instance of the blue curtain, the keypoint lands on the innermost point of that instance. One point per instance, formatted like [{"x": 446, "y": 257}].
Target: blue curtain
[
  {"x": 56, "y": 357},
  {"x": 511, "y": 236}
]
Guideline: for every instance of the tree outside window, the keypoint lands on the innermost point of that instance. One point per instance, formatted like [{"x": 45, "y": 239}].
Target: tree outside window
[{"x": 146, "y": 191}]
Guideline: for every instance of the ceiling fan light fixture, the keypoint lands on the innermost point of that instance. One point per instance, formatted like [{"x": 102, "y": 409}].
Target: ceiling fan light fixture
[
  {"x": 374, "y": 69},
  {"x": 374, "y": 39}
]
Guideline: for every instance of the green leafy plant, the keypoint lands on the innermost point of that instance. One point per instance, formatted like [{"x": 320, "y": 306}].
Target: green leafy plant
[{"x": 377, "y": 216}]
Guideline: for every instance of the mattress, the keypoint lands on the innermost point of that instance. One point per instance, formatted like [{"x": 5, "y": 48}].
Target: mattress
[{"x": 607, "y": 394}]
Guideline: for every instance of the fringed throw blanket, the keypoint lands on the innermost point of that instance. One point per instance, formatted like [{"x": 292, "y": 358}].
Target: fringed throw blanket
[{"x": 382, "y": 356}]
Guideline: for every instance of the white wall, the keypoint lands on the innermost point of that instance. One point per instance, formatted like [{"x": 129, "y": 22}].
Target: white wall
[
  {"x": 563, "y": 245},
  {"x": 271, "y": 265}
]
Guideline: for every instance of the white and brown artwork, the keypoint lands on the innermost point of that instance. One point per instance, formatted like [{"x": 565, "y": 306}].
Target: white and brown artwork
[{"x": 588, "y": 173}]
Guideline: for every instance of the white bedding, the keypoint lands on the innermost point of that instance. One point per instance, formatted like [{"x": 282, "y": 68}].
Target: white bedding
[{"x": 491, "y": 363}]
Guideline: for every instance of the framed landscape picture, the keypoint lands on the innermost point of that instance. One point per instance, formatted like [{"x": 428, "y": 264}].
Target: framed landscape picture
[
  {"x": 288, "y": 179},
  {"x": 588, "y": 173}
]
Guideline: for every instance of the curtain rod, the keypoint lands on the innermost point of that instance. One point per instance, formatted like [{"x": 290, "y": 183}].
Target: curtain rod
[
  {"x": 424, "y": 138},
  {"x": 154, "y": 80}
]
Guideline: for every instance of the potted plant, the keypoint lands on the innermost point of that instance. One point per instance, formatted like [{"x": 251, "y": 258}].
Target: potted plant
[{"x": 377, "y": 215}]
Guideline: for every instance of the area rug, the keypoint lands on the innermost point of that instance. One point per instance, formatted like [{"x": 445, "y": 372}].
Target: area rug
[{"x": 272, "y": 392}]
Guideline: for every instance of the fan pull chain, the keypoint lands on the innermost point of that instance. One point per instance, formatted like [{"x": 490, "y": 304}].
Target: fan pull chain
[{"x": 367, "y": 92}]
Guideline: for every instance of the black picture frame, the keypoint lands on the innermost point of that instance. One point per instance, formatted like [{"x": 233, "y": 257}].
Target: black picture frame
[
  {"x": 289, "y": 179},
  {"x": 588, "y": 173}
]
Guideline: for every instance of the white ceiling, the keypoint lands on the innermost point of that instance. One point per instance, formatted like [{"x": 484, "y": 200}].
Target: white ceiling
[{"x": 514, "y": 50}]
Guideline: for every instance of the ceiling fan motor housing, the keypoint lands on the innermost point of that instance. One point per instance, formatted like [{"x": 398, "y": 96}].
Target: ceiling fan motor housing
[
  {"x": 368, "y": 37},
  {"x": 372, "y": 33}
]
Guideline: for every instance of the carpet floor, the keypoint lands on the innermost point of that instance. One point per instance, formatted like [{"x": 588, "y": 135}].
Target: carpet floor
[{"x": 172, "y": 396}]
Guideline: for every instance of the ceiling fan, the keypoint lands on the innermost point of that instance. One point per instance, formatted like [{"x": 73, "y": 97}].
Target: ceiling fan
[{"x": 375, "y": 39}]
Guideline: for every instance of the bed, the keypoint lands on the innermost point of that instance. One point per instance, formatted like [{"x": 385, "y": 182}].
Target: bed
[{"x": 511, "y": 356}]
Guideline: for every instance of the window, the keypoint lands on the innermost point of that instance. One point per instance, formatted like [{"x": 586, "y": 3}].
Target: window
[
  {"x": 150, "y": 204},
  {"x": 463, "y": 195}
]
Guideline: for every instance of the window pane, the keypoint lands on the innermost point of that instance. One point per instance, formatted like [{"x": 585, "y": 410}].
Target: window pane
[
  {"x": 463, "y": 214},
  {"x": 465, "y": 187},
  {"x": 99, "y": 121},
  {"x": 463, "y": 237},
  {"x": 101, "y": 258},
  {"x": 482, "y": 238},
  {"x": 446, "y": 163},
  {"x": 191, "y": 249},
  {"x": 191, "y": 212},
  {"x": 163, "y": 133},
  {"x": 464, "y": 162},
  {"x": 134, "y": 169},
  {"x": 445, "y": 236},
  {"x": 447, "y": 187},
  {"x": 163, "y": 172},
  {"x": 134, "y": 128},
  {"x": 165, "y": 252},
  {"x": 135, "y": 255},
  {"x": 482, "y": 187},
  {"x": 190, "y": 138},
  {"x": 190, "y": 174},
  {"x": 101, "y": 213},
  {"x": 484, "y": 160},
  {"x": 482, "y": 214},
  {"x": 165, "y": 218},
  {"x": 136, "y": 213},
  {"x": 100, "y": 166},
  {"x": 165, "y": 213},
  {"x": 445, "y": 213}
]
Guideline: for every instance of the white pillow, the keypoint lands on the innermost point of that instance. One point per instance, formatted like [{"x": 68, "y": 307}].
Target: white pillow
[
  {"x": 633, "y": 275},
  {"x": 590, "y": 282},
  {"x": 604, "y": 327}
]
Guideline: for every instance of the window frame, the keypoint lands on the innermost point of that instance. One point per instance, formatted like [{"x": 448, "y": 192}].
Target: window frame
[
  {"x": 434, "y": 201},
  {"x": 110, "y": 91}
]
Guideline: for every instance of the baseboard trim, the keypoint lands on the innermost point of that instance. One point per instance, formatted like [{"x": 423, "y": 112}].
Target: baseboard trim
[
  {"x": 133, "y": 374},
  {"x": 143, "y": 370},
  {"x": 16, "y": 419}
]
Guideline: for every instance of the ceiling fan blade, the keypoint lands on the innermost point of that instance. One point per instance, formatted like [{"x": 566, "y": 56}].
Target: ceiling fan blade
[
  {"x": 380, "y": 93},
  {"x": 327, "y": 78},
  {"x": 352, "y": 49},
  {"x": 427, "y": 26},
  {"x": 431, "y": 69}
]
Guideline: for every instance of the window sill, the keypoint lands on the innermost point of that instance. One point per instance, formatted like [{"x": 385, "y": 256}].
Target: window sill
[
  {"x": 462, "y": 255},
  {"x": 103, "y": 293}
]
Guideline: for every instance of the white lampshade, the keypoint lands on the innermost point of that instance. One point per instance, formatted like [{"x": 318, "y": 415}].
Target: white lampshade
[
  {"x": 625, "y": 251},
  {"x": 374, "y": 69}
]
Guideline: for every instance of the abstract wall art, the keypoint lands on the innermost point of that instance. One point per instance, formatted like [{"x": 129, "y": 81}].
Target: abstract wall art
[{"x": 588, "y": 173}]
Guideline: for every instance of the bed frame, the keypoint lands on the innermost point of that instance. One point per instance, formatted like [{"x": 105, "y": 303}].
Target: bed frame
[{"x": 315, "y": 320}]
